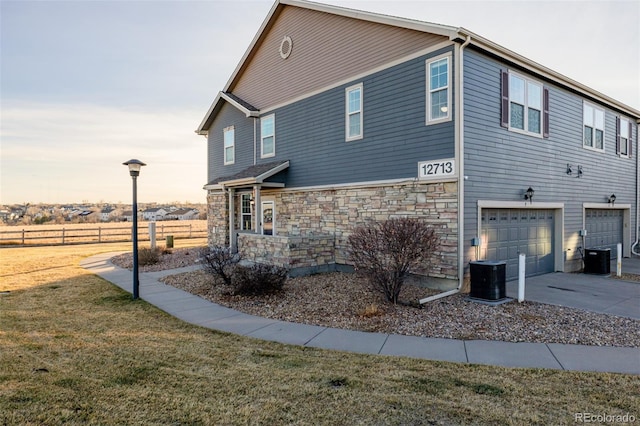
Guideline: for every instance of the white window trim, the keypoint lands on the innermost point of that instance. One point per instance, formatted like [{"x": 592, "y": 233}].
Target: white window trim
[
  {"x": 262, "y": 137},
  {"x": 224, "y": 147},
  {"x": 265, "y": 202},
  {"x": 604, "y": 125},
  {"x": 428, "y": 63},
  {"x": 243, "y": 196},
  {"x": 624, "y": 124},
  {"x": 347, "y": 113},
  {"x": 527, "y": 80}
]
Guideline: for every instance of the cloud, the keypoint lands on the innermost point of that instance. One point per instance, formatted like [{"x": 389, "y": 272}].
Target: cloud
[{"x": 79, "y": 149}]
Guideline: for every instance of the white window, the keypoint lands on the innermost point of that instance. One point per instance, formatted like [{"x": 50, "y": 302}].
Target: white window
[
  {"x": 245, "y": 211},
  {"x": 268, "y": 136},
  {"x": 593, "y": 127},
  {"x": 624, "y": 127},
  {"x": 229, "y": 145},
  {"x": 354, "y": 112},
  {"x": 525, "y": 105},
  {"x": 438, "y": 93}
]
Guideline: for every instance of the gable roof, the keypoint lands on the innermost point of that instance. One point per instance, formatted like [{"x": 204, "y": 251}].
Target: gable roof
[{"x": 455, "y": 34}]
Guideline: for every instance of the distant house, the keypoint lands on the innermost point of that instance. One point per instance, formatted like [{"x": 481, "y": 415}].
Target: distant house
[
  {"x": 183, "y": 214},
  {"x": 127, "y": 216},
  {"x": 154, "y": 214},
  {"x": 107, "y": 213},
  {"x": 336, "y": 118}
]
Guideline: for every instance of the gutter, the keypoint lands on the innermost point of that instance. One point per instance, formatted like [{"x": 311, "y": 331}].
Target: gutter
[{"x": 460, "y": 166}]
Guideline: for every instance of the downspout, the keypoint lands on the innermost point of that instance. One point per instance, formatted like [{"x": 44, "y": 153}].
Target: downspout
[
  {"x": 255, "y": 140},
  {"x": 633, "y": 247},
  {"x": 460, "y": 167}
]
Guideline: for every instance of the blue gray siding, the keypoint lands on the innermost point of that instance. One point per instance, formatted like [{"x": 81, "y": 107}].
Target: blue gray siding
[
  {"x": 311, "y": 133},
  {"x": 244, "y": 134},
  {"x": 501, "y": 164}
]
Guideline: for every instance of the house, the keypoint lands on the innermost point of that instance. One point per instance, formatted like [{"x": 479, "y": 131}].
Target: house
[
  {"x": 335, "y": 118},
  {"x": 153, "y": 214},
  {"x": 127, "y": 216},
  {"x": 107, "y": 214},
  {"x": 183, "y": 214}
]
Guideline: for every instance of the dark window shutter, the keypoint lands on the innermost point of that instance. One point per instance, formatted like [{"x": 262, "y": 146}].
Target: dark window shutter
[
  {"x": 618, "y": 135},
  {"x": 545, "y": 112},
  {"x": 504, "y": 110},
  {"x": 630, "y": 138}
]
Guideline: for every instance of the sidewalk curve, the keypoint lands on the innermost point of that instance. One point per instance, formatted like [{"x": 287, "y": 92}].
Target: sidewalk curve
[{"x": 198, "y": 311}]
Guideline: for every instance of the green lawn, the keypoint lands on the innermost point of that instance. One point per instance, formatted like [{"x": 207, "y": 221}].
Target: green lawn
[{"x": 75, "y": 349}]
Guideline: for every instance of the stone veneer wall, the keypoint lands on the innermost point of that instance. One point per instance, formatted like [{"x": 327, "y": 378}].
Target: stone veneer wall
[
  {"x": 217, "y": 218},
  {"x": 312, "y": 227},
  {"x": 288, "y": 251}
]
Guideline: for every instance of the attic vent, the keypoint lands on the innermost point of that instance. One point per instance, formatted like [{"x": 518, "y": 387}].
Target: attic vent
[{"x": 286, "y": 47}]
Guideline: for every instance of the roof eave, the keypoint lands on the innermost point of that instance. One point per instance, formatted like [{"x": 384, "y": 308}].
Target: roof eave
[
  {"x": 208, "y": 118},
  {"x": 515, "y": 58}
]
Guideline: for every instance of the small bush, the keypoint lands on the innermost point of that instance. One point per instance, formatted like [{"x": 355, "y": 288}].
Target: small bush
[
  {"x": 370, "y": 311},
  {"x": 258, "y": 279},
  {"x": 385, "y": 252},
  {"x": 149, "y": 256},
  {"x": 220, "y": 262}
]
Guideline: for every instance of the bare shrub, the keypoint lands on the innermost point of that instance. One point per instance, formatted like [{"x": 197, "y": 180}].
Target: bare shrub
[
  {"x": 258, "y": 279},
  {"x": 149, "y": 256},
  {"x": 220, "y": 262},
  {"x": 386, "y": 251}
]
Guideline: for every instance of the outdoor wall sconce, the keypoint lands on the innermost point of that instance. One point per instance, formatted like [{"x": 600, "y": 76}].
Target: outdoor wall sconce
[
  {"x": 528, "y": 195},
  {"x": 570, "y": 170},
  {"x": 611, "y": 199}
]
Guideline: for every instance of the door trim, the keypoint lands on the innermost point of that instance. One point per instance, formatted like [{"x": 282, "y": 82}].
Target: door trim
[{"x": 626, "y": 221}]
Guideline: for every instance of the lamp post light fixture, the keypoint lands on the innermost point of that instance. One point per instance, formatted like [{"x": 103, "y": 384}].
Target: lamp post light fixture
[
  {"x": 528, "y": 195},
  {"x": 134, "y": 171}
]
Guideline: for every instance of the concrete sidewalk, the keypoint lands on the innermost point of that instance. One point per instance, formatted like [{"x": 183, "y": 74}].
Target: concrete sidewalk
[{"x": 198, "y": 311}]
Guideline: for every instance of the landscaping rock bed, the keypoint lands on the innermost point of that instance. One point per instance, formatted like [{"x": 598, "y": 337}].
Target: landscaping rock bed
[{"x": 346, "y": 301}]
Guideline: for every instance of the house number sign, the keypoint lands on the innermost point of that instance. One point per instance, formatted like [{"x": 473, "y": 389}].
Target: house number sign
[{"x": 437, "y": 168}]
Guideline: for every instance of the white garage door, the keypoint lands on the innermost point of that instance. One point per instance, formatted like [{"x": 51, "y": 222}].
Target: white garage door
[{"x": 509, "y": 232}]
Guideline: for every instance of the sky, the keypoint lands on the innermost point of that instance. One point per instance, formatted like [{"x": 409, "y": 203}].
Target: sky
[{"x": 86, "y": 85}]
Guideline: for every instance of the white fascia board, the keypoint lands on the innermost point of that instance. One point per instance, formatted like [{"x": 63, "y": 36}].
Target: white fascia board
[
  {"x": 411, "y": 24},
  {"x": 536, "y": 68},
  {"x": 268, "y": 174},
  {"x": 239, "y": 106},
  {"x": 200, "y": 130},
  {"x": 219, "y": 97},
  {"x": 252, "y": 45}
]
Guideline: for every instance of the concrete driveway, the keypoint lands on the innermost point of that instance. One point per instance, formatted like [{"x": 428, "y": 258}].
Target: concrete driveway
[{"x": 596, "y": 293}]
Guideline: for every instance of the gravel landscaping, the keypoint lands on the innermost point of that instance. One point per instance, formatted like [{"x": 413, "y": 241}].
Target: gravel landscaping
[{"x": 346, "y": 301}]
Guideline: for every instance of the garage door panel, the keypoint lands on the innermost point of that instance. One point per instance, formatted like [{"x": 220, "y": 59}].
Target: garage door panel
[
  {"x": 604, "y": 228},
  {"x": 516, "y": 231}
]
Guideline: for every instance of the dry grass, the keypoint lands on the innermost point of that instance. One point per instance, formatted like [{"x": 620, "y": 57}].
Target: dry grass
[{"x": 77, "y": 350}]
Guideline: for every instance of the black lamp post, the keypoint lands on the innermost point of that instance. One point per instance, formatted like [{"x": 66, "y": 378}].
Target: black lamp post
[{"x": 134, "y": 171}]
